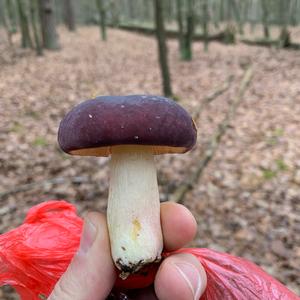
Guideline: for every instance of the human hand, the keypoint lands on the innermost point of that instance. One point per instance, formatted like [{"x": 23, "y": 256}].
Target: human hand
[{"x": 91, "y": 274}]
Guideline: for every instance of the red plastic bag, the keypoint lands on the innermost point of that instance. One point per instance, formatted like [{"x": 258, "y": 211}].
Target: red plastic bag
[{"x": 35, "y": 255}]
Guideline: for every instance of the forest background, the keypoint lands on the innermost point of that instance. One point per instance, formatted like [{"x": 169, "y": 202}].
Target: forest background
[{"x": 233, "y": 64}]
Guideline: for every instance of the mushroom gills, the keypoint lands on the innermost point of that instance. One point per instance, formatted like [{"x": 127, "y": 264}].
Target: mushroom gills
[{"x": 133, "y": 212}]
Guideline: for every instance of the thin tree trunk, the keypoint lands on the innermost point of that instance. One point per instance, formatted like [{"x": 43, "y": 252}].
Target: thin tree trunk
[
  {"x": 69, "y": 14},
  {"x": 215, "y": 15},
  {"x": 131, "y": 10},
  {"x": 48, "y": 25},
  {"x": 229, "y": 35},
  {"x": 34, "y": 25},
  {"x": 205, "y": 23},
  {"x": 6, "y": 23},
  {"x": 102, "y": 19},
  {"x": 24, "y": 26},
  {"x": 162, "y": 47},
  {"x": 168, "y": 10},
  {"x": 245, "y": 11},
  {"x": 265, "y": 16},
  {"x": 188, "y": 35},
  {"x": 236, "y": 11},
  {"x": 12, "y": 17},
  {"x": 284, "y": 36},
  {"x": 115, "y": 12},
  {"x": 180, "y": 27},
  {"x": 293, "y": 13},
  {"x": 222, "y": 14}
]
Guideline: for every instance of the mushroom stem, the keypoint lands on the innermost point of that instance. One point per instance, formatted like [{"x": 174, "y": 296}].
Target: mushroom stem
[{"x": 133, "y": 212}]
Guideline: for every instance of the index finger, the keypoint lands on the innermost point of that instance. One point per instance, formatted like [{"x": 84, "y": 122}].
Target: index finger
[{"x": 179, "y": 227}]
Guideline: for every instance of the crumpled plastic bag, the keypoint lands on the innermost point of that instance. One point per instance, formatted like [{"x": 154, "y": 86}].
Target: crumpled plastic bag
[{"x": 35, "y": 255}]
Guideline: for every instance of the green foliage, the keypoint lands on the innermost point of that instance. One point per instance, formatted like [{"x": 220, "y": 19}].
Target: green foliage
[
  {"x": 40, "y": 141},
  {"x": 281, "y": 165},
  {"x": 274, "y": 138},
  {"x": 278, "y": 132},
  {"x": 17, "y": 128},
  {"x": 269, "y": 174},
  {"x": 176, "y": 98}
]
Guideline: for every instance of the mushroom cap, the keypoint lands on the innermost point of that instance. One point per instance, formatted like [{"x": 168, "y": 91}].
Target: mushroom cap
[{"x": 95, "y": 125}]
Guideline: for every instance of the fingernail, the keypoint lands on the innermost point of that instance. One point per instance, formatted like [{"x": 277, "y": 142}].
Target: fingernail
[
  {"x": 88, "y": 236},
  {"x": 191, "y": 276}
]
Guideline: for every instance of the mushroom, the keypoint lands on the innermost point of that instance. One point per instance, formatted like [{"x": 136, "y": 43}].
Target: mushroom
[{"x": 132, "y": 129}]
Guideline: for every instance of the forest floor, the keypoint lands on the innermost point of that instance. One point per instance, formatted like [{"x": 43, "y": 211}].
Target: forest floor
[{"x": 248, "y": 200}]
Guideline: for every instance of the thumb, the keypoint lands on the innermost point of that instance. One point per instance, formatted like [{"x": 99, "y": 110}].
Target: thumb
[
  {"x": 180, "y": 276},
  {"x": 91, "y": 274}
]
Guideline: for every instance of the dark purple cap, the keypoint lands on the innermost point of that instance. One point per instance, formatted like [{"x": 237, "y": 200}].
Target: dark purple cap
[{"x": 94, "y": 126}]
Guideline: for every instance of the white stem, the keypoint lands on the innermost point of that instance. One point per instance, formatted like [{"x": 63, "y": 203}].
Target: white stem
[{"x": 133, "y": 212}]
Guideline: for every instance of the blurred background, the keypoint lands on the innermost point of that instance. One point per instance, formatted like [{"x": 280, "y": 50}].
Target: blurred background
[{"x": 233, "y": 64}]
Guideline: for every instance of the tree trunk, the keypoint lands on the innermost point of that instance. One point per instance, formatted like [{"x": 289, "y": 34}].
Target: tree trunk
[
  {"x": 34, "y": 25},
  {"x": 284, "y": 36},
  {"x": 131, "y": 7},
  {"x": 6, "y": 24},
  {"x": 24, "y": 26},
  {"x": 48, "y": 24},
  {"x": 188, "y": 35},
  {"x": 168, "y": 10},
  {"x": 236, "y": 11},
  {"x": 12, "y": 17},
  {"x": 229, "y": 34},
  {"x": 180, "y": 27},
  {"x": 102, "y": 18},
  {"x": 69, "y": 14},
  {"x": 215, "y": 15},
  {"x": 293, "y": 13},
  {"x": 222, "y": 13},
  {"x": 115, "y": 12},
  {"x": 265, "y": 16},
  {"x": 205, "y": 19},
  {"x": 162, "y": 47}
]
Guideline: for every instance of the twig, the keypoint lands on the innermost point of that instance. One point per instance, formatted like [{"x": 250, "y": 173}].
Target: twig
[
  {"x": 208, "y": 99},
  {"x": 181, "y": 191}
]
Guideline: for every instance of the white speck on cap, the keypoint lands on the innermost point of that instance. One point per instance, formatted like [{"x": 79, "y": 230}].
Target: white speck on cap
[{"x": 90, "y": 116}]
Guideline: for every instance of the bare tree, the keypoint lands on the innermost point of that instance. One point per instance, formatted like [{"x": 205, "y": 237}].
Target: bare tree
[
  {"x": 284, "y": 37},
  {"x": 205, "y": 19},
  {"x": 115, "y": 12},
  {"x": 102, "y": 18},
  {"x": 189, "y": 33},
  {"x": 6, "y": 23},
  {"x": 265, "y": 15},
  {"x": 24, "y": 26},
  {"x": 180, "y": 27},
  {"x": 48, "y": 25},
  {"x": 34, "y": 24},
  {"x": 12, "y": 16},
  {"x": 69, "y": 14},
  {"x": 162, "y": 47},
  {"x": 185, "y": 28}
]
